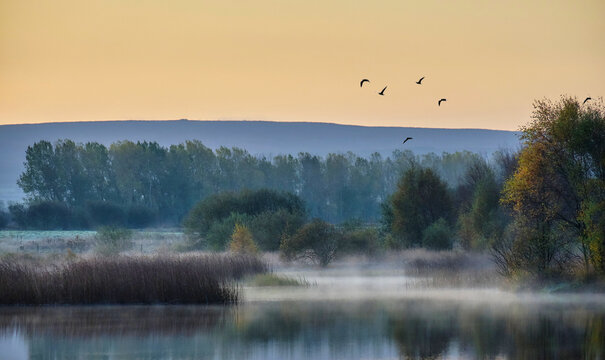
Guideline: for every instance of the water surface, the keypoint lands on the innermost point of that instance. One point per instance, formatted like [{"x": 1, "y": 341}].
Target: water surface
[{"x": 366, "y": 316}]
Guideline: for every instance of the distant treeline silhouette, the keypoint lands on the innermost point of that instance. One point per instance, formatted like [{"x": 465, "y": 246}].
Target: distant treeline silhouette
[{"x": 143, "y": 183}]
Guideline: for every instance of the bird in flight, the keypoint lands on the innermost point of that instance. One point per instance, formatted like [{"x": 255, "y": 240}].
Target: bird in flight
[
  {"x": 439, "y": 102},
  {"x": 419, "y": 82},
  {"x": 406, "y": 139},
  {"x": 382, "y": 92},
  {"x": 362, "y": 81},
  {"x": 585, "y": 100}
]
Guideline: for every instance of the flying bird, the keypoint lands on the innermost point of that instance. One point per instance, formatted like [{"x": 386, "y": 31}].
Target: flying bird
[
  {"x": 419, "y": 82},
  {"x": 406, "y": 139},
  {"x": 585, "y": 100},
  {"x": 362, "y": 81},
  {"x": 382, "y": 92},
  {"x": 439, "y": 102}
]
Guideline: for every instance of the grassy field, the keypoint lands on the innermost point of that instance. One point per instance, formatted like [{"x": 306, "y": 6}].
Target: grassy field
[{"x": 81, "y": 241}]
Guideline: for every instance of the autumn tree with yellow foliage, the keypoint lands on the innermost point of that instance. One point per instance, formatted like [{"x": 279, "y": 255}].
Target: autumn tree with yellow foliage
[
  {"x": 557, "y": 194},
  {"x": 242, "y": 241}
]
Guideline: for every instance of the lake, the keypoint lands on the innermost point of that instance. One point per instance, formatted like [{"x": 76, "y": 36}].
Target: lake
[{"x": 342, "y": 315}]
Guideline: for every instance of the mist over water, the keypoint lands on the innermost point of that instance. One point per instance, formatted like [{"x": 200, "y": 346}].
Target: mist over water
[{"x": 345, "y": 313}]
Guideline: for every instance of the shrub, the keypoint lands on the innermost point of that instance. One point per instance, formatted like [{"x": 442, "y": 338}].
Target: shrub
[
  {"x": 269, "y": 227},
  {"x": 4, "y": 219},
  {"x": 219, "y": 235},
  {"x": 437, "y": 236},
  {"x": 360, "y": 240},
  {"x": 112, "y": 240},
  {"x": 317, "y": 241},
  {"x": 43, "y": 215},
  {"x": 268, "y": 215},
  {"x": 242, "y": 241},
  {"x": 103, "y": 213},
  {"x": 140, "y": 216},
  {"x": 18, "y": 213}
]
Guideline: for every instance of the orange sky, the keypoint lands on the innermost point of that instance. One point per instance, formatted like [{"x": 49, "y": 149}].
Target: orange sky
[{"x": 297, "y": 60}]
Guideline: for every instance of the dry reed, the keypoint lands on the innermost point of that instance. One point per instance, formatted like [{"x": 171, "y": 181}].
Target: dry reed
[{"x": 162, "y": 279}]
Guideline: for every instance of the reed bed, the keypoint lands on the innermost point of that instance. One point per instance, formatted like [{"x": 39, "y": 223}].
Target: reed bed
[
  {"x": 438, "y": 269},
  {"x": 160, "y": 279}
]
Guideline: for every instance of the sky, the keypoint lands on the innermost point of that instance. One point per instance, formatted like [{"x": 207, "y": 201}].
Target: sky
[{"x": 297, "y": 60}]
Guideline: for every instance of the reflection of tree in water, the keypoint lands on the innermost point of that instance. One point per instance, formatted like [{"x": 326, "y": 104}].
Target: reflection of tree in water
[
  {"x": 411, "y": 329},
  {"x": 428, "y": 332},
  {"x": 595, "y": 339},
  {"x": 313, "y": 323},
  {"x": 551, "y": 336},
  {"x": 483, "y": 335},
  {"x": 420, "y": 337}
]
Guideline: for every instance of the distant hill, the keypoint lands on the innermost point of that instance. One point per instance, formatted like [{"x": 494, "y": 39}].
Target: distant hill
[{"x": 258, "y": 137}]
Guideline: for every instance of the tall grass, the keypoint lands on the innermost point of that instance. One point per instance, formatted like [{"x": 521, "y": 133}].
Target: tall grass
[
  {"x": 167, "y": 279},
  {"x": 450, "y": 269}
]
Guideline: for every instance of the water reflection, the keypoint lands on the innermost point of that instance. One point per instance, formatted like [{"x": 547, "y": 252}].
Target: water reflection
[{"x": 404, "y": 329}]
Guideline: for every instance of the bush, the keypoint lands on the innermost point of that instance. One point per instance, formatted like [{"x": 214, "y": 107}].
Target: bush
[
  {"x": 140, "y": 216},
  {"x": 102, "y": 213},
  {"x": 268, "y": 215},
  {"x": 242, "y": 241},
  {"x": 269, "y": 227},
  {"x": 317, "y": 241},
  {"x": 358, "y": 240},
  {"x": 437, "y": 236},
  {"x": 219, "y": 235},
  {"x": 48, "y": 215},
  {"x": 42, "y": 215},
  {"x": 112, "y": 240},
  {"x": 18, "y": 213},
  {"x": 4, "y": 219}
]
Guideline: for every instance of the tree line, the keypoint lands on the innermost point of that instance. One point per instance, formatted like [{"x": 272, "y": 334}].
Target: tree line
[{"x": 138, "y": 184}]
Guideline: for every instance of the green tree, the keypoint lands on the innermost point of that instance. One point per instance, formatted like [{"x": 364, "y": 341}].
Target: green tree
[
  {"x": 40, "y": 180},
  {"x": 312, "y": 186},
  {"x": 337, "y": 189},
  {"x": 420, "y": 200},
  {"x": 481, "y": 220},
  {"x": 138, "y": 169},
  {"x": 284, "y": 176}
]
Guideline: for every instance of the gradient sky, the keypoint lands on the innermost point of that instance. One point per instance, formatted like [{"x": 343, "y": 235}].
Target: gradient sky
[{"x": 297, "y": 60}]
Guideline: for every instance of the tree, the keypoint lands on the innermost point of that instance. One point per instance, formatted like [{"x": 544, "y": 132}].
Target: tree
[
  {"x": 242, "y": 241},
  {"x": 317, "y": 241},
  {"x": 284, "y": 175},
  {"x": 138, "y": 169},
  {"x": 481, "y": 220},
  {"x": 420, "y": 200},
  {"x": 40, "y": 178},
  {"x": 312, "y": 187},
  {"x": 560, "y": 176}
]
